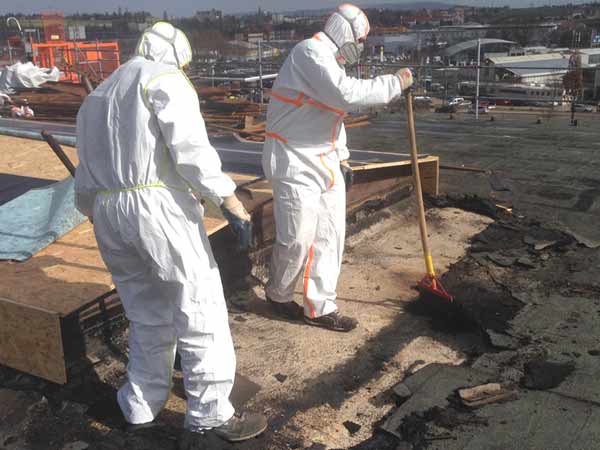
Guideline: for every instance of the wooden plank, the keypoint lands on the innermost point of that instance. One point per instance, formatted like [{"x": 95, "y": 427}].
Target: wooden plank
[
  {"x": 374, "y": 166},
  {"x": 485, "y": 394},
  {"x": 31, "y": 341},
  {"x": 429, "y": 169}
]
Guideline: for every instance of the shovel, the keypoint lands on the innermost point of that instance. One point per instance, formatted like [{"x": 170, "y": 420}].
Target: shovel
[{"x": 429, "y": 284}]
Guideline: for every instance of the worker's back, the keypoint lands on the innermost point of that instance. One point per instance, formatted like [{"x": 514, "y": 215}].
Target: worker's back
[
  {"x": 299, "y": 113},
  {"x": 118, "y": 139}
]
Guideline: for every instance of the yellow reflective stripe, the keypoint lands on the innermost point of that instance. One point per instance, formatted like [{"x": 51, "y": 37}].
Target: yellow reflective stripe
[
  {"x": 190, "y": 49},
  {"x": 139, "y": 49},
  {"x": 132, "y": 188},
  {"x": 156, "y": 77},
  {"x": 189, "y": 81},
  {"x": 139, "y": 187}
]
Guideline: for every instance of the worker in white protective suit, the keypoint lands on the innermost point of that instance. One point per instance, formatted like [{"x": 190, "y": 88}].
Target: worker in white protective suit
[
  {"x": 305, "y": 156},
  {"x": 144, "y": 158}
]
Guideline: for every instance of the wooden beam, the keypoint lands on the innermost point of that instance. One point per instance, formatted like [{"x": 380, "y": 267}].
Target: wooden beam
[{"x": 429, "y": 168}]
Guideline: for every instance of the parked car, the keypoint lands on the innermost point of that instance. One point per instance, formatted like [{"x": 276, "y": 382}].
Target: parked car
[
  {"x": 422, "y": 99},
  {"x": 482, "y": 110},
  {"x": 456, "y": 101}
]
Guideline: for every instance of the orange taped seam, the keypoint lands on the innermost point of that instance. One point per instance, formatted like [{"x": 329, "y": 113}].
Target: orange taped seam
[
  {"x": 339, "y": 112},
  {"x": 331, "y": 172},
  {"x": 277, "y": 137},
  {"x": 309, "y": 261},
  {"x": 293, "y": 101}
]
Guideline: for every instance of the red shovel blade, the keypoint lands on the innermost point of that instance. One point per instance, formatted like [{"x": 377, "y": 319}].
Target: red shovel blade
[{"x": 432, "y": 285}]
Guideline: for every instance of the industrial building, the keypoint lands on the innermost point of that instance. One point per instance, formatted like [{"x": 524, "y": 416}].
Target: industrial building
[{"x": 549, "y": 68}]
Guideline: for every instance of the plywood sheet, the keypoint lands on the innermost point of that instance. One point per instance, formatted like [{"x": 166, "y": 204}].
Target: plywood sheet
[
  {"x": 30, "y": 341},
  {"x": 35, "y": 159},
  {"x": 61, "y": 277}
]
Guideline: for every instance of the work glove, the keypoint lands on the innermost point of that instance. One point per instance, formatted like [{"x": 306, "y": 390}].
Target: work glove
[
  {"x": 347, "y": 173},
  {"x": 239, "y": 220},
  {"x": 406, "y": 78}
]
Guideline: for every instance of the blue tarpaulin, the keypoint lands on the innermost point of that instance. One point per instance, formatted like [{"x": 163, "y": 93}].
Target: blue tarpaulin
[{"x": 34, "y": 220}]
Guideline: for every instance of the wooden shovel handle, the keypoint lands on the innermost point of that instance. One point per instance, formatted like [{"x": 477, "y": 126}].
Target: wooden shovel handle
[{"x": 417, "y": 178}]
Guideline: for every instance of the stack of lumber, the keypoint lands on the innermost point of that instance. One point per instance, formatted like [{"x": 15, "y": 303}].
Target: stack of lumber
[
  {"x": 57, "y": 102},
  {"x": 251, "y": 130},
  {"x": 223, "y": 109}
]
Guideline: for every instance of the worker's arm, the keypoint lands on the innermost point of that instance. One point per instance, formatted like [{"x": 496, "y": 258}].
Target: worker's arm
[
  {"x": 176, "y": 105},
  {"x": 332, "y": 86}
]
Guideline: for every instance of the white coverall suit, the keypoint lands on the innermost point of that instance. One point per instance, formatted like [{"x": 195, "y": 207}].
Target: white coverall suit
[
  {"x": 143, "y": 148},
  {"x": 306, "y": 141}
]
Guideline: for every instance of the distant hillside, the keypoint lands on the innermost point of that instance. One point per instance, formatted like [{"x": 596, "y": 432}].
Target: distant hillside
[
  {"x": 413, "y": 6},
  {"x": 395, "y": 6}
]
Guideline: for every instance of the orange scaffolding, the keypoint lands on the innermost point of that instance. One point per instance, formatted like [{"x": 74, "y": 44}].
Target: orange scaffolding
[{"x": 97, "y": 60}]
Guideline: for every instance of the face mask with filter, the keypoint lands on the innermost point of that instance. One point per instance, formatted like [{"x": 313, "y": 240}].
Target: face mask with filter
[{"x": 350, "y": 51}]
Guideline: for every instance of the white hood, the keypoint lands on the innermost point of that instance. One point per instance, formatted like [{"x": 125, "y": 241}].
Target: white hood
[
  {"x": 347, "y": 25},
  {"x": 166, "y": 44}
]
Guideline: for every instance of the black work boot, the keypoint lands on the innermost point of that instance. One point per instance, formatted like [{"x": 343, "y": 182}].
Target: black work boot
[
  {"x": 289, "y": 310},
  {"x": 205, "y": 440},
  {"x": 135, "y": 428},
  {"x": 333, "y": 321},
  {"x": 242, "y": 427}
]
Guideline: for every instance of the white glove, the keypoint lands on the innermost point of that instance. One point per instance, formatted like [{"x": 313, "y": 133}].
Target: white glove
[
  {"x": 233, "y": 206},
  {"x": 406, "y": 78}
]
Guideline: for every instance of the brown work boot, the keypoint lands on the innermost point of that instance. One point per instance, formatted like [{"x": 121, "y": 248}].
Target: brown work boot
[
  {"x": 242, "y": 427},
  {"x": 288, "y": 310},
  {"x": 333, "y": 321}
]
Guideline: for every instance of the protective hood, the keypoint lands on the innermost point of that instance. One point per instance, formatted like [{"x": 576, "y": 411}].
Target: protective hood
[
  {"x": 345, "y": 28},
  {"x": 166, "y": 44}
]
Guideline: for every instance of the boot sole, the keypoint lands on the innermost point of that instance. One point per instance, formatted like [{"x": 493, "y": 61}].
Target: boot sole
[
  {"x": 327, "y": 327},
  {"x": 245, "y": 437}
]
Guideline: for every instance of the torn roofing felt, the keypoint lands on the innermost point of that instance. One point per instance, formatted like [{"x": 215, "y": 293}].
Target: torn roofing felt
[{"x": 34, "y": 220}]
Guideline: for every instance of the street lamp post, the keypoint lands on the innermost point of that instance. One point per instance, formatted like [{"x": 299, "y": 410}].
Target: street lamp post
[
  {"x": 478, "y": 70},
  {"x": 260, "y": 71},
  {"x": 8, "y": 20}
]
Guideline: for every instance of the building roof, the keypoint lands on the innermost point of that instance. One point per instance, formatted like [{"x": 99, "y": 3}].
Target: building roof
[
  {"x": 513, "y": 60},
  {"x": 532, "y": 65},
  {"x": 462, "y": 46},
  {"x": 590, "y": 51}
]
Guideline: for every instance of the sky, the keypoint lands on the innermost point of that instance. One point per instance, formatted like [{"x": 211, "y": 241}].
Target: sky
[{"x": 180, "y": 8}]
